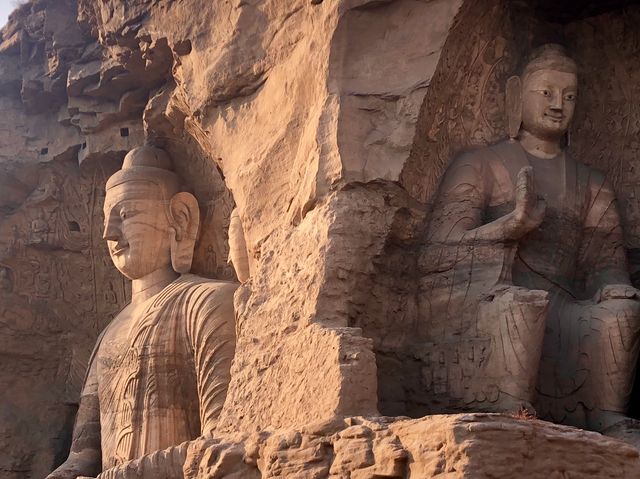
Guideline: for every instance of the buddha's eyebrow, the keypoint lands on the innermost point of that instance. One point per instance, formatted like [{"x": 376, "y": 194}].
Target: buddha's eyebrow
[{"x": 112, "y": 205}]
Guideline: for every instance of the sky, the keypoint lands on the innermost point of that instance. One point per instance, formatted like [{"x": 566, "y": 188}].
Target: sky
[{"x": 6, "y": 7}]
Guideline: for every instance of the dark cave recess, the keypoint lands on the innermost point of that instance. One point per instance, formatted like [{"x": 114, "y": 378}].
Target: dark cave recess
[{"x": 565, "y": 11}]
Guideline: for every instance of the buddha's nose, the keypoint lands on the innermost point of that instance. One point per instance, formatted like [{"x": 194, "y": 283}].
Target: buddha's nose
[{"x": 112, "y": 228}]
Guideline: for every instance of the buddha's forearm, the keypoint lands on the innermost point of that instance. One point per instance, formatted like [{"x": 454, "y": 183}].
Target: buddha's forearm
[
  {"x": 165, "y": 464},
  {"x": 503, "y": 229},
  {"x": 206, "y": 454},
  {"x": 84, "y": 463},
  {"x": 85, "y": 458}
]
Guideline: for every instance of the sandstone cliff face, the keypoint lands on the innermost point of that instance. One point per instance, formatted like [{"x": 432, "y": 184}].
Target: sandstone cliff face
[
  {"x": 58, "y": 287},
  {"x": 284, "y": 98},
  {"x": 326, "y": 123}
]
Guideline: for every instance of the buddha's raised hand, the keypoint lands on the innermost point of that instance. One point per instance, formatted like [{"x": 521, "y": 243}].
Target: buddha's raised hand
[{"x": 530, "y": 208}]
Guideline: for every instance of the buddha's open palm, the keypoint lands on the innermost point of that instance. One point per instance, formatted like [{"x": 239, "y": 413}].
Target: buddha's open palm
[{"x": 530, "y": 208}]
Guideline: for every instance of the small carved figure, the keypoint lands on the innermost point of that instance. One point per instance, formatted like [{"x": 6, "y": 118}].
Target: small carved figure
[
  {"x": 159, "y": 372},
  {"x": 15, "y": 245},
  {"x": 524, "y": 275},
  {"x": 6, "y": 284},
  {"x": 238, "y": 254},
  {"x": 211, "y": 260},
  {"x": 110, "y": 296},
  {"x": 39, "y": 232},
  {"x": 43, "y": 281},
  {"x": 47, "y": 190}
]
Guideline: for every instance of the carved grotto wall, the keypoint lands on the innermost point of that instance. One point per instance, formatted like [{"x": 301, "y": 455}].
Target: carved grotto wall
[
  {"x": 70, "y": 113},
  {"x": 328, "y": 125},
  {"x": 59, "y": 288}
]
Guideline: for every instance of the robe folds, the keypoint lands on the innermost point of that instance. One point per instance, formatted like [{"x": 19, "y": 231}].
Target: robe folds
[
  {"x": 159, "y": 377},
  {"x": 574, "y": 350}
]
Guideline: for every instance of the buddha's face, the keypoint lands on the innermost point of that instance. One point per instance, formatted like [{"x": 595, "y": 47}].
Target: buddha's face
[
  {"x": 548, "y": 103},
  {"x": 137, "y": 229}
]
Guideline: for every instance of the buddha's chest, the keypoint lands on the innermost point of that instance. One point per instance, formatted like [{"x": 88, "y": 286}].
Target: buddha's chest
[
  {"x": 146, "y": 382},
  {"x": 142, "y": 356},
  {"x": 553, "y": 247},
  {"x": 117, "y": 342}
]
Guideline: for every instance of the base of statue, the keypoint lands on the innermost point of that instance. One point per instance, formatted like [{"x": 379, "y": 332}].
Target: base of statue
[{"x": 456, "y": 446}]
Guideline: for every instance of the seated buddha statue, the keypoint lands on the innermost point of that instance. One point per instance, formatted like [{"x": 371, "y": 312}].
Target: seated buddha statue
[
  {"x": 525, "y": 298},
  {"x": 159, "y": 372}
]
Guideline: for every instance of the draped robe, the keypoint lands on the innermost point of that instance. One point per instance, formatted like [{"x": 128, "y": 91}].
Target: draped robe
[
  {"x": 585, "y": 352},
  {"x": 159, "y": 378}
]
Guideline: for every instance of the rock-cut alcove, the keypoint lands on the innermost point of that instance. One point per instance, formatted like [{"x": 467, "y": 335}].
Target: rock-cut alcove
[
  {"x": 195, "y": 162},
  {"x": 70, "y": 113},
  {"x": 464, "y": 108}
]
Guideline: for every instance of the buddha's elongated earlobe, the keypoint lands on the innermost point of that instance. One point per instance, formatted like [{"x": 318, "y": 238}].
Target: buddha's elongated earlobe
[
  {"x": 185, "y": 220},
  {"x": 513, "y": 100}
]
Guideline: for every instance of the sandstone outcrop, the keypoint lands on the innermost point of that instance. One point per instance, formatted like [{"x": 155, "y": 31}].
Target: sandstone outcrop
[
  {"x": 456, "y": 446},
  {"x": 327, "y": 126}
]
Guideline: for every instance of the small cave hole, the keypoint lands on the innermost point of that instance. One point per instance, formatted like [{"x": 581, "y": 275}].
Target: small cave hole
[
  {"x": 74, "y": 226},
  {"x": 124, "y": 132},
  {"x": 183, "y": 47},
  {"x": 44, "y": 151},
  {"x": 84, "y": 145}
]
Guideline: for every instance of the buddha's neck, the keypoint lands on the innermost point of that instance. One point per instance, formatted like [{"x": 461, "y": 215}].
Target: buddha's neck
[
  {"x": 151, "y": 284},
  {"x": 539, "y": 147}
]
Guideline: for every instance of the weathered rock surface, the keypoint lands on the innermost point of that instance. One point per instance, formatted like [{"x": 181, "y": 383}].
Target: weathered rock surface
[
  {"x": 327, "y": 124},
  {"x": 58, "y": 289},
  {"x": 264, "y": 97},
  {"x": 455, "y": 446}
]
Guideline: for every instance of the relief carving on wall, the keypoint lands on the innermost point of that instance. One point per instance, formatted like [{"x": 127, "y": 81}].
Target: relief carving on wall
[{"x": 58, "y": 291}]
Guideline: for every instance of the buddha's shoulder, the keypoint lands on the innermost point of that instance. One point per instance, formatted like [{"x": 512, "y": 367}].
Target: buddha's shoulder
[
  {"x": 488, "y": 153},
  {"x": 595, "y": 175},
  {"x": 590, "y": 176},
  {"x": 484, "y": 158},
  {"x": 598, "y": 184}
]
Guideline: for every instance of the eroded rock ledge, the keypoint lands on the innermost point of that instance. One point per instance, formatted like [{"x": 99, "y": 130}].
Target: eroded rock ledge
[{"x": 451, "y": 446}]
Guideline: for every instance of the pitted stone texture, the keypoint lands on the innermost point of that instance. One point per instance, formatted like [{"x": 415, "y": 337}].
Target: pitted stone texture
[{"x": 457, "y": 446}]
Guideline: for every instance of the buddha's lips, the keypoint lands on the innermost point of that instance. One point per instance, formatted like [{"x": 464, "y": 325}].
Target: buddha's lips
[
  {"x": 119, "y": 249},
  {"x": 557, "y": 118}
]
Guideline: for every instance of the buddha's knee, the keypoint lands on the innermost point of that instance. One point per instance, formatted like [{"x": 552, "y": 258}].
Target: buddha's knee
[
  {"x": 503, "y": 305},
  {"x": 612, "y": 344},
  {"x": 616, "y": 319}
]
